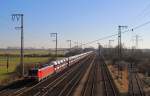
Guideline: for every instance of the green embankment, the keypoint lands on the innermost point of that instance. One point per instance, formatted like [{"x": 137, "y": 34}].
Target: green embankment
[{"x": 13, "y": 61}]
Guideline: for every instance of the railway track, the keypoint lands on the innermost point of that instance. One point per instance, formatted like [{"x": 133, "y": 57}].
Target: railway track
[
  {"x": 19, "y": 91},
  {"x": 142, "y": 93},
  {"x": 99, "y": 81},
  {"x": 135, "y": 83},
  {"x": 66, "y": 86},
  {"x": 109, "y": 88},
  {"x": 16, "y": 88},
  {"x": 136, "y": 87},
  {"x": 65, "y": 82},
  {"x": 44, "y": 86},
  {"x": 90, "y": 85}
]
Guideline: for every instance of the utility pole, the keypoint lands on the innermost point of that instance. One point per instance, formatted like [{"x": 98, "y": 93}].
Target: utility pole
[
  {"x": 137, "y": 41},
  {"x": 99, "y": 51},
  {"x": 120, "y": 48},
  {"x": 69, "y": 43},
  {"x": 81, "y": 45},
  {"x": 7, "y": 61},
  {"x": 110, "y": 43},
  {"x": 70, "y": 51},
  {"x": 119, "y": 40},
  {"x": 110, "y": 47},
  {"x": 76, "y": 44},
  {"x": 55, "y": 35},
  {"x": 21, "y": 27}
]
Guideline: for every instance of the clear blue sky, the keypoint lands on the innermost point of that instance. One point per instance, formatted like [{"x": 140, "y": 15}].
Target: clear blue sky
[{"x": 78, "y": 20}]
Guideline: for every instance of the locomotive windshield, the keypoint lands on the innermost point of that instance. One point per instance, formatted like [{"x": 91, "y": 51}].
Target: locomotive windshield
[{"x": 33, "y": 72}]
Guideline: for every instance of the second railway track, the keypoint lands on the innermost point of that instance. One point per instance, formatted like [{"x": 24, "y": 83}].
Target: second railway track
[
  {"x": 52, "y": 86},
  {"x": 136, "y": 87},
  {"x": 66, "y": 86},
  {"x": 109, "y": 88},
  {"x": 99, "y": 81},
  {"x": 90, "y": 85}
]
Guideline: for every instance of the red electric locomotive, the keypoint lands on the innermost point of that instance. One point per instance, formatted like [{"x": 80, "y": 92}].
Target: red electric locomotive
[{"x": 41, "y": 73}]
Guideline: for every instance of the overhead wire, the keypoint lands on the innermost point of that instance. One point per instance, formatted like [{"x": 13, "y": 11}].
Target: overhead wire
[
  {"x": 143, "y": 12},
  {"x": 128, "y": 30}
]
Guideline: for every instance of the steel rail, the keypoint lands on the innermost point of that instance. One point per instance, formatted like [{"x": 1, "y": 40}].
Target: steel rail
[{"x": 60, "y": 82}]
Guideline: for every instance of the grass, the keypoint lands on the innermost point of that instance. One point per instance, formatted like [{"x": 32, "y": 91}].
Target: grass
[
  {"x": 13, "y": 61},
  {"x": 29, "y": 51},
  {"x": 17, "y": 51}
]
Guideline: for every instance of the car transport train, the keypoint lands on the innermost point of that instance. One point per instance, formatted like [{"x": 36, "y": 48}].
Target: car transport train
[{"x": 41, "y": 72}]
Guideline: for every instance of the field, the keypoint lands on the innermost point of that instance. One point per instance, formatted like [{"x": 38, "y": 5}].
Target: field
[
  {"x": 12, "y": 63},
  {"x": 29, "y": 51},
  {"x": 8, "y": 65}
]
